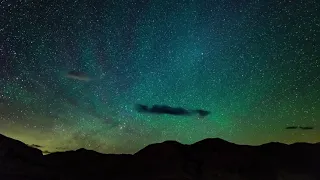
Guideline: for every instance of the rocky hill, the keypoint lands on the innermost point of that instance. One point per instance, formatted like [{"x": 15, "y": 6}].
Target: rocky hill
[{"x": 207, "y": 159}]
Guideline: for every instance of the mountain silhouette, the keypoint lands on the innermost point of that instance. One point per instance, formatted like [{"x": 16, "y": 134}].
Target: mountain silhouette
[{"x": 211, "y": 158}]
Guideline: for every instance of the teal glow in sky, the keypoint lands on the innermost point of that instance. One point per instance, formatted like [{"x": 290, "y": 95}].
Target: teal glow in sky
[{"x": 253, "y": 64}]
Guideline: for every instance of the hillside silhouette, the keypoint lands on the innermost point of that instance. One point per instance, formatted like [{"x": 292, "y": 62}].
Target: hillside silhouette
[{"x": 206, "y": 159}]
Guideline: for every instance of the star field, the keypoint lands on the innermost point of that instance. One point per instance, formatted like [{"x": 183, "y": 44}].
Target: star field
[{"x": 253, "y": 64}]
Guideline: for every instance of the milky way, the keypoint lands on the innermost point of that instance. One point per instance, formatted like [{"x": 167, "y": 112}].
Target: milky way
[{"x": 253, "y": 64}]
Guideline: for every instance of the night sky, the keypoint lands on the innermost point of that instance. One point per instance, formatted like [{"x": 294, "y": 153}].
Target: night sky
[{"x": 71, "y": 72}]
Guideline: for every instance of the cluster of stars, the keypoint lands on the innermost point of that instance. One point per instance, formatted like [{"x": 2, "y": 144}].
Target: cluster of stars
[{"x": 253, "y": 64}]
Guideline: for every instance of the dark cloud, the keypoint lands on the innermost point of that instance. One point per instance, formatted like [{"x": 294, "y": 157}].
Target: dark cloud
[
  {"x": 292, "y": 127},
  {"x": 164, "y": 109},
  {"x": 36, "y": 146},
  {"x": 77, "y": 75},
  {"x": 300, "y": 127},
  {"x": 306, "y": 127}
]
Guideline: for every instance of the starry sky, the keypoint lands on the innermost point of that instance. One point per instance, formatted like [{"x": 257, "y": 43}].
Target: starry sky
[{"x": 254, "y": 64}]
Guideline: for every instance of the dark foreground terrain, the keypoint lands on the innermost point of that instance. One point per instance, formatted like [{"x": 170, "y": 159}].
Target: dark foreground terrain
[{"x": 207, "y": 159}]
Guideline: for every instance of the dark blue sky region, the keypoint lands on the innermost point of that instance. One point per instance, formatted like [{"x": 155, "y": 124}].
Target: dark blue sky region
[{"x": 72, "y": 71}]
